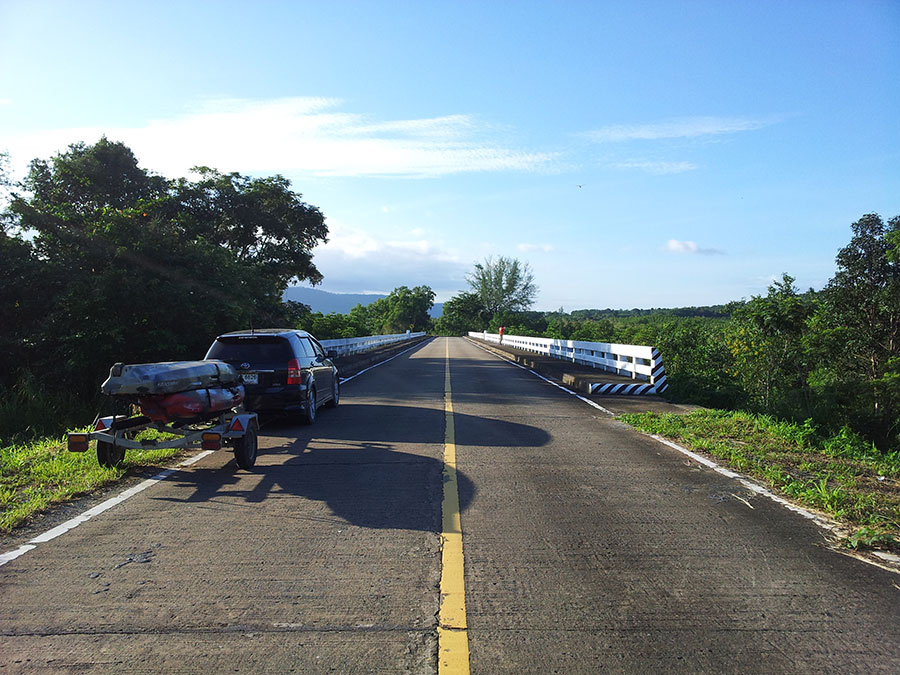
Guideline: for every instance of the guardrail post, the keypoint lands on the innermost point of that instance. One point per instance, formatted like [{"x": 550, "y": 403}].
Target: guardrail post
[{"x": 657, "y": 372}]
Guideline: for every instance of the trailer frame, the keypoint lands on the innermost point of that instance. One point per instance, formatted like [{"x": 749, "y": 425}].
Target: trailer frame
[{"x": 115, "y": 434}]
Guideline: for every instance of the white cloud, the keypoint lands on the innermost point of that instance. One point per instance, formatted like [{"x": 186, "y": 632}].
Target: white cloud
[
  {"x": 657, "y": 167},
  {"x": 354, "y": 261},
  {"x": 349, "y": 242},
  {"x": 690, "y": 247},
  {"x": 529, "y": 248},
  {"x": 686, "y": 127},
  {"x": 299, "y": 136}
]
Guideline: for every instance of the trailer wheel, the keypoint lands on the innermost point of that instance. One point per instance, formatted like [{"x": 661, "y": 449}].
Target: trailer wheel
[
  {"x": 109, "y": 455},
  {"x": 245, "y": 448}
]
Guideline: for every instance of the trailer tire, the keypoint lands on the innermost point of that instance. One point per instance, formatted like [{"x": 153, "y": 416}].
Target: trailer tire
[
  {"x": 109, "y": 455},
  {"x": 245, "y": 448}
]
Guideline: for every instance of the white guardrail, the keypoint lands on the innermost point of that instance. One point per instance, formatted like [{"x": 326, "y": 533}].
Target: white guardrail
[
  {"x": 635, "y": 361},
  {"x": 348, "y": 346}
]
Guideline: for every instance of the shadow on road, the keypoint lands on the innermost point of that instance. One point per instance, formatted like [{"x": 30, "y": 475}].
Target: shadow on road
[{"x": 349, "y": 460}]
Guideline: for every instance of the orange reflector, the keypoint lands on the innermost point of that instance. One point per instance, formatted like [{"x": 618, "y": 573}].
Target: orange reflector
[
  {"x": 78, "y": 442},
  {"x": 211, "y": 441},
  {"x": 236, "y": 425}
]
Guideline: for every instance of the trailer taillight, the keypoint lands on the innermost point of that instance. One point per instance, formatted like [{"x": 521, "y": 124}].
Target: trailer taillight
[
  {"x": 211, "y": 441},
  {"x": 78, "y": 442},
  {"x": 294, "y": 376}
]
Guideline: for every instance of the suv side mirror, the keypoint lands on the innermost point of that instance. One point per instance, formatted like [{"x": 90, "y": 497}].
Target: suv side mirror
[{"x": 332, "y": 354}]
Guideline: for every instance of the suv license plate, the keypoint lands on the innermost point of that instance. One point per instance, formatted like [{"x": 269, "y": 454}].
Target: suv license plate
[{"x": 250, "y": 378}]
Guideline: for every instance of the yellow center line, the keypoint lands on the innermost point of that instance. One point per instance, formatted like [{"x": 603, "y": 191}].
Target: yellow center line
[{"x": 453, "y": 636}]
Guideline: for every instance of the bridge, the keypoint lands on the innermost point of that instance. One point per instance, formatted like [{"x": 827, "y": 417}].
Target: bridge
[{"x": 456, "y": 513}]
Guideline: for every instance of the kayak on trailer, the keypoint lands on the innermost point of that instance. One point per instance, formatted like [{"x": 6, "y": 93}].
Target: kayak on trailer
[
  {"x": 196, "y": 404},
  {"x": 169, "y": 377}
]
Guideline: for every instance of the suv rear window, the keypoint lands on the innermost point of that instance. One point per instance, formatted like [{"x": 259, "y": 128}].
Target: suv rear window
[{"x": 255, "y": 349}]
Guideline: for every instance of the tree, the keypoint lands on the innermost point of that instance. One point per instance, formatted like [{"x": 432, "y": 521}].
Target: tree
[
  {"x": 767, "y": 341},
  {"x": 403, "y": 309},
  {"x": 260, "y": 220},
  {"x": 503, "y": 284},
  {"x": 862, "y": 315},
  {"x": 134, "y": 267},
  {"x": 462, "y": 313}
]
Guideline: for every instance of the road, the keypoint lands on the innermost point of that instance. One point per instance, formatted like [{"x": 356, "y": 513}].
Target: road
[{"x": 586, "y": 547}]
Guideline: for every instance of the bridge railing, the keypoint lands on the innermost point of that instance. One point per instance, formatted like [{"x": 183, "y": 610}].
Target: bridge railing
[
  {"x": 636, "y": 361},
  {"x": 348, "y": 346}
]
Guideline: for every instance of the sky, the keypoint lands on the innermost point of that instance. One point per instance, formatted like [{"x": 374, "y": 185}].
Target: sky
[{"x": 633, "y": 154}]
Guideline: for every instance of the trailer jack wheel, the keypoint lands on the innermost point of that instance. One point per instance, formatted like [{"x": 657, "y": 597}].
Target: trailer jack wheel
[
  {"x": 245, "y": 448},
  {"x": 109, "y": 455}
]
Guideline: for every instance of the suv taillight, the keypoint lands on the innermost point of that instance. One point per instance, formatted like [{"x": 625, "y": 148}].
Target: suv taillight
[{"x": 294, "y": 375}]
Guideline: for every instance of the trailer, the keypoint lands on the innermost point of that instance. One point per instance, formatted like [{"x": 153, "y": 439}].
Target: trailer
[
  {"x": 200, "y": 403},
  {"x": 116, "y": 433}
]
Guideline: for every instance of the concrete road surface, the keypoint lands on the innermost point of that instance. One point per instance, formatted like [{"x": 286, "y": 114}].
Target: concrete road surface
[{"x": 587, "y": 548}]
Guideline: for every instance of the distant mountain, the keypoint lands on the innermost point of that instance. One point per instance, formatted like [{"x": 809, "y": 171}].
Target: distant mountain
[
  {"x": 325, "y": 302},
  {"x": 339, "y": 303}
]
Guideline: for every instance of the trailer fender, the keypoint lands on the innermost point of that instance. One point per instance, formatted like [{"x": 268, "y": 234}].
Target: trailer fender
[{"x": 240, "y": 424}]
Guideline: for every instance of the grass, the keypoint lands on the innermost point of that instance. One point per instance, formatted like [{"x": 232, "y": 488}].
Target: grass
[
  {"x": 839, "y": 474},
  {"x": 35, "y": 475}
]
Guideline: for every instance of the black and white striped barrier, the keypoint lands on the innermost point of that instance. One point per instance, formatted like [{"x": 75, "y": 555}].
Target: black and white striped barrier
[
  {"x": 658, "y": 376},
  {"x": 636, "y": 361}
]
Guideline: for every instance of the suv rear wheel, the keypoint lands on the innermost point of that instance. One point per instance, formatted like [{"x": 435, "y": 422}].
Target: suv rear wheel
[
  {"x": 309, "y": 415},
  {"x": 335, "y": 394}
]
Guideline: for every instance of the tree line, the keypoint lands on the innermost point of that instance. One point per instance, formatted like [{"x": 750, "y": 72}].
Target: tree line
[
  {"x": 831, "y": 356},
  {"x": 104, "y": 261}
]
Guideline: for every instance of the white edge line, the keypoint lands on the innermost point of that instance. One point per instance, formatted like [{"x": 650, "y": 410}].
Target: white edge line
[
  {"x": 98, "y": 509},
  {"x": 822, "y": 522},
  {"x": 380, "y": 363},
  {"x": 548, "y": 381},
  {"x": 140, "y": 487}
]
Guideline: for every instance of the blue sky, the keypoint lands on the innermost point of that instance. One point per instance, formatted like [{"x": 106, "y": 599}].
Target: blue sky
[{"x": 716, "y": 144}]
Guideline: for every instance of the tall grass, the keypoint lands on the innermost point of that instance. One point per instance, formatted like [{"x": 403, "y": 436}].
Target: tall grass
[
  {"x": 35, "y": 475},
  {"x": 29, "y": 411},
  {"x": 841, "y": 473}
]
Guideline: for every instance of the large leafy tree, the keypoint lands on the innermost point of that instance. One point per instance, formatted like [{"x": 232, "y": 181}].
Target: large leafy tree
[
  {"x": 767, "y": 340},
  {"x": 860, "y": 321},
  {"x": 503, "y": 285},
  {"x": 462, "y": 313},
  {"x": 259, "y": 220},
  {"x": 134, "y": 267},
  {"x": 403, "y": 309}
]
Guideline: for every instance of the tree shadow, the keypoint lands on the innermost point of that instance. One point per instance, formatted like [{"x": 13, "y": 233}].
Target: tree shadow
[{"x": 350, "y": 461}]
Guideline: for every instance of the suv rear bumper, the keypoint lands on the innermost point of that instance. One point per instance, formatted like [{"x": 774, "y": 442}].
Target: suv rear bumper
[{"x": 291, "y": 400}]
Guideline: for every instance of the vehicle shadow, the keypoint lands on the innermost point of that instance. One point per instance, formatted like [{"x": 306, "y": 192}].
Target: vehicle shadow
[{"x": 351, "y": 461}]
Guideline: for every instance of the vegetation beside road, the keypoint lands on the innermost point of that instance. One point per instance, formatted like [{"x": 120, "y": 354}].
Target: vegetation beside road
[
  {"x": 104, "y": 261},
  {"x": 38, "y": 474},
  {"x": 831, "y": 356},
  {"x": 840, "y": 474}
]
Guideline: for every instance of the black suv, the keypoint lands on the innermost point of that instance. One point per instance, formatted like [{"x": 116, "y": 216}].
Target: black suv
[{"x": 282, "y": 369}]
